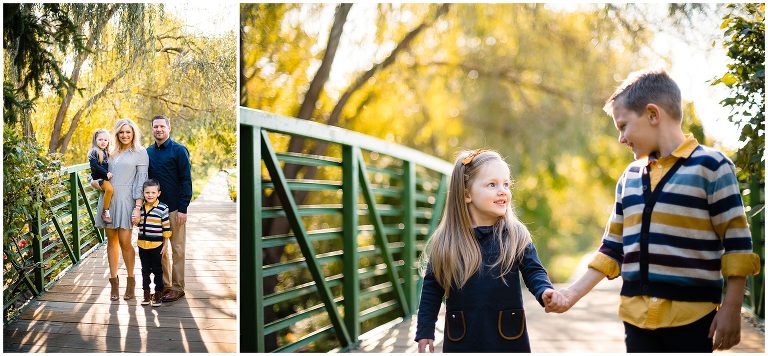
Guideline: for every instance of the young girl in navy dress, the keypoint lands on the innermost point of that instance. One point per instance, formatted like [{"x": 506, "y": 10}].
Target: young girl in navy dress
[
  {"x": 98, "y": 156},
  {"x": 474, "y": 260}
]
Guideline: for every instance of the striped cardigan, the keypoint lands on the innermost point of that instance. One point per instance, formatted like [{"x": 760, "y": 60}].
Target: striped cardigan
[
  {"x": 669, "y": 241},
  {"x": 155, "y": 223}
]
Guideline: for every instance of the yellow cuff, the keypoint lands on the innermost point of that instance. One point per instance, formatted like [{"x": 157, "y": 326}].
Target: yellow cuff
[
  {"x": 740, "y": 264},
  {"x": 167, "y": 234},
  {"x": 605, "y": 265}
]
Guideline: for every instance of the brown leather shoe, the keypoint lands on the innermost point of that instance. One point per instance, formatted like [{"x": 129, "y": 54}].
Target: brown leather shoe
[{"x": 173, "y": 295}]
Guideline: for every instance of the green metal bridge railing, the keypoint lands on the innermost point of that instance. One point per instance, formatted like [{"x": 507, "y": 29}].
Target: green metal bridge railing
[
  {"x": 348, "y": 263},
  {"x": 33, "y": 262}
]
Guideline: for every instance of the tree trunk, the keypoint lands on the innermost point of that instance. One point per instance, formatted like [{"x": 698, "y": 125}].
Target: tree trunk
[
  {"x": 333, "y": 120},
  {"x": 280, "y": 226},
  {"x": 56, "y": 139},
  {"x": 88, "y": 104}
]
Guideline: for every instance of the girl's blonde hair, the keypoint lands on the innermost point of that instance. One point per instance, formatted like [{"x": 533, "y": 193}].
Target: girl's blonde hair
[
  {"x": 453, "y": 250},
  {"x": 95, "y": 151},
  {"x": 135, "y": 145}
]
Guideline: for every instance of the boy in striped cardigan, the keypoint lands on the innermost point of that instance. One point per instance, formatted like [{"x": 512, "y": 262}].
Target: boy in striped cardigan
[
  {"x": 678, "y": 228},
  {"x": 154, "y": 232}
]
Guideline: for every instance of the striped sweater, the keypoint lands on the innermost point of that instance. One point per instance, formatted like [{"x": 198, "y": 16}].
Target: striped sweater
[
  {"x": 669, "y": 241},
  {"x": 155, "y": 222}
]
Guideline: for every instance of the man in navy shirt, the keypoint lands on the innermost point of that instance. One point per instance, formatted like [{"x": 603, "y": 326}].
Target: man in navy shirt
[{"x": 169, "y": 164}]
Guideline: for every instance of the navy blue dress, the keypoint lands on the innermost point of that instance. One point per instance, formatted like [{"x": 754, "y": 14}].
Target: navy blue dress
[{"x": 486, "y": 315}]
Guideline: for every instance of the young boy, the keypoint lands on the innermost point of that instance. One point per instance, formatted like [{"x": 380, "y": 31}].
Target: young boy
[
  {"x": 154, "y": 232},
  {"x": 677, "y": 229}
]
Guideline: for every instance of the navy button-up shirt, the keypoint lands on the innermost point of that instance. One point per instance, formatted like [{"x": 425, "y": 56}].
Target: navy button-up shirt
[{"x": 169, "y": 164}]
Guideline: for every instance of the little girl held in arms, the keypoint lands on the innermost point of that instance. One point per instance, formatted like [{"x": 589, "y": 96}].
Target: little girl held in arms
[
  {"x": 475, "y": 259},
  {"x": 98, "y": 157}
]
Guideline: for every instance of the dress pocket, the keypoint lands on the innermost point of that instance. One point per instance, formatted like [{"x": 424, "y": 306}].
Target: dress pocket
[
  {"x": 511, "y": 324},
  {"x": 455, "y": 326}
]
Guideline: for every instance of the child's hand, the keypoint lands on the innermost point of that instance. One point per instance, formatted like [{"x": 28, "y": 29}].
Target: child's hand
[
  {"x": 424, "y": 343},
  {"x": 555, "y": 301},
  {"x": 109, "y": 175},
  {"x": 725, "y": 330}
]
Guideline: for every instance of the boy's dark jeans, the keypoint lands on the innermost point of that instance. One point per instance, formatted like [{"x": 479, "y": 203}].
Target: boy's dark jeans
[
  {"x": 687, "y": 338},
  {"x": 151, "y": 263}
]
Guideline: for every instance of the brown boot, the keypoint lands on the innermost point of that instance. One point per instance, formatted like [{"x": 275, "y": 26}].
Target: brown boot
[
  {"x": 130, "y": 288},
  {"x": 114, "y": 294}
]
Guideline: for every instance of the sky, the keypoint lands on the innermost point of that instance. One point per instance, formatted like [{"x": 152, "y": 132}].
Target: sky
[{"x": 208, "y": 18}]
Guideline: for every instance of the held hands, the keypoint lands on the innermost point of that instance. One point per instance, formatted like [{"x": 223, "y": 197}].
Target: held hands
[
  {"x": 135, "y": 217},
  {"x": 424, "y": 343},
  {"x": 165, "y": 247},
  {"x": 556, "y": 301},
  {"x": 726, "y": 328}
]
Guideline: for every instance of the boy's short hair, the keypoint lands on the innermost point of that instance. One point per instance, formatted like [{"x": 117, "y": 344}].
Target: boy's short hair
[
  {"x": 645, "y": 87},
  {"x": 150, "y": 183}
]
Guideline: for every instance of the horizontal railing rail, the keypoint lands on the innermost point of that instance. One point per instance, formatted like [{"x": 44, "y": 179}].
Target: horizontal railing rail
[
  {"x": 34, "y": 261},
  {"x": 344, "y": 259}
]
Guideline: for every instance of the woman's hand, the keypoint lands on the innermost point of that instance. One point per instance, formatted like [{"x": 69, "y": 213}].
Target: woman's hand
[
  {"x": 109, "y": 175},
  {"x": 95, "y": 184},
  {"x": 424, "y": 343}
]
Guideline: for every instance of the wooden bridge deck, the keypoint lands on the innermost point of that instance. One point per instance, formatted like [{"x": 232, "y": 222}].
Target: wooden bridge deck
[
  {"x": 76, "y": 315},
  {"x": 590, "y": 326}
]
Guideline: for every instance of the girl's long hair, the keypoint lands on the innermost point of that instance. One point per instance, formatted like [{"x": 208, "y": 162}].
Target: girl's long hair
[
  {"x": 453, "y": 250},
  {"x": 135, "y": 145},
  {"x": 95, "y": 151}
]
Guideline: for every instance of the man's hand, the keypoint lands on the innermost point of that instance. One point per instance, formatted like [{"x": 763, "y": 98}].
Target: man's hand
[
  {"x": 426, "y": 343},
  {"x": 181, "y": 218}
]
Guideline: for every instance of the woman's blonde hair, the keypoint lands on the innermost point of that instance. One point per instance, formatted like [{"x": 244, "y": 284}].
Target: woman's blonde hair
[
  {"x": 453, "y": 250},
  {"x": 95, "y": 151},
  {"x": 135, "y": 145}
]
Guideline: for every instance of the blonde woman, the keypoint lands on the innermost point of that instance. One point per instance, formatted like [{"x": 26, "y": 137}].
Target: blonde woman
[
  {"x": 128, "y": 164},
  {"x": 475, "y": 259}
]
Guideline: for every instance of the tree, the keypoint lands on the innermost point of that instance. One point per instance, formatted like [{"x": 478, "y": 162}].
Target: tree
[
  {"x": 745, "y": 40},
  {"x": 133, "y": 41}
]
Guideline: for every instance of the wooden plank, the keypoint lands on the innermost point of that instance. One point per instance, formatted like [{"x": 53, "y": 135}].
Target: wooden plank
[
  {"x": 26, "y": 330},
  {"x": 76, "y": 315}
]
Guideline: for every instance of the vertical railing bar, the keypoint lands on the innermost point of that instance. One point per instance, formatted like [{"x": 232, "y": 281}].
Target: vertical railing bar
[
  {"x": 291, "y": 211},
  {"x": 437, "y": 208},
  {"x": 409, "y": 233},
  {"x": 756, "y": 225},
  {"x": 351, "y": 286},
  {"x": 381, "y": 236},
  {"x": 90, "y": 211},
  {"x": 74, "y": 209},
  {"x": 251, "y": 275},
  {"x": 37, "y": 252}
]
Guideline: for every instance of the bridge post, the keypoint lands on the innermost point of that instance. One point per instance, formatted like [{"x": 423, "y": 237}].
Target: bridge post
[
  {"x": 251, "y": 288},
  {"x": 37, "y": 252},
  {"x": 409, "y": 234},
  {"x": 74, "y": 209},
  {"x": 350, "y": 192},
  {"x": 757, "y": 226}
]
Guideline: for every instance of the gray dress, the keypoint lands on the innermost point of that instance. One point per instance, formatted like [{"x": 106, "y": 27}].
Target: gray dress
[{"x": 129, "y": 171}]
